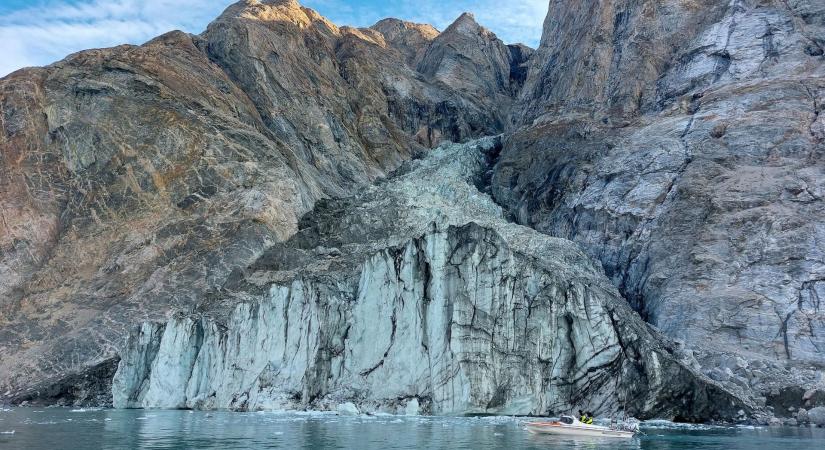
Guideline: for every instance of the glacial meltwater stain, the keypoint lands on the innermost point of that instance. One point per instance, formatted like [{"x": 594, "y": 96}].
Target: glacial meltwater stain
[{"x": 62, "y": 428}]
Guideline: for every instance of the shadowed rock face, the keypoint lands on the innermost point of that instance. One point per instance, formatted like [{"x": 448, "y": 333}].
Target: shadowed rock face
[
  {"x": 418, "y": 290},
  {"x": 681, "y": 143},
  {"x": 134, "y": 179}
]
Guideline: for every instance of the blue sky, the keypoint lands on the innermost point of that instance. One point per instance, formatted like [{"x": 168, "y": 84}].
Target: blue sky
[{"x": 38, "y": 32}]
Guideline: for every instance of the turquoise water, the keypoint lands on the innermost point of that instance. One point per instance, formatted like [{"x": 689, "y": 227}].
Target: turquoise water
[{"x": 59, "y": 428}]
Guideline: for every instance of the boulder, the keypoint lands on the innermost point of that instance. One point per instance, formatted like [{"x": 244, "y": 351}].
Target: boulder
[{"x": 816, "y": 416}]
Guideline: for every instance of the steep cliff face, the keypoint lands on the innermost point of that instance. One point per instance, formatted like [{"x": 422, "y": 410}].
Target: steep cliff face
[
  {"x": 697, "y": 180},
  {"x": 134, "y": 179},
  {"x": 601, "y": 57},
  {"x": 614, "y": 59},
  {"x": 443, "y": 303}
]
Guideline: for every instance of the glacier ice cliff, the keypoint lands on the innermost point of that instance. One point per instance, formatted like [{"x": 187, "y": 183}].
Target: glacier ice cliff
[{"x": 418, "y": 290}]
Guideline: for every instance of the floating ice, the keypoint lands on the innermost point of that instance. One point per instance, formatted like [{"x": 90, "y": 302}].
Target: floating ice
[{"x": 659, "y": 424}]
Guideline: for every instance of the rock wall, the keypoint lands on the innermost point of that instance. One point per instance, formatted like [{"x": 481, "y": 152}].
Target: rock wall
[
  {"x": 476, "y": 315},
  {"x": 614, "y": 59},
  {"x": 696, "y": 182}
]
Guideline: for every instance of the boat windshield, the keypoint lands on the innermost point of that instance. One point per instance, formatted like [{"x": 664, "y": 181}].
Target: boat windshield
[{"x": 567, "y": 420}]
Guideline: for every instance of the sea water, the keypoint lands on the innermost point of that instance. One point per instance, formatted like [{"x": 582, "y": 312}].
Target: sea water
[{"x": 62, "y": 428}]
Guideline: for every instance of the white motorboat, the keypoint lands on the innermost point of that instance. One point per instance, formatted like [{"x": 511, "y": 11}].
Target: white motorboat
[{"x": 570, "y": 426}]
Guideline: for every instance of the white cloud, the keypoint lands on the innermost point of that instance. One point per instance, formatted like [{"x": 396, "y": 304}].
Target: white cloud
[
  {"x": 52, "y": 29},
  {"x": 49, "y": 31}
]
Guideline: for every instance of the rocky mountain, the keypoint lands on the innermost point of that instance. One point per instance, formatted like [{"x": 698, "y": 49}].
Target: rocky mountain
[
  {"x": 254, "y": 217},
  {"x": 135, "y": 179}
]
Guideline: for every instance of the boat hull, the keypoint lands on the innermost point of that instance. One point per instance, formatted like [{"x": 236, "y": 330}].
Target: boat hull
[{"x": 560, "y": 429}]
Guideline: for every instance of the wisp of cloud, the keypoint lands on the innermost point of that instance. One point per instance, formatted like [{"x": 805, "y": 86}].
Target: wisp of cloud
[{"x": 44, "y": 32}]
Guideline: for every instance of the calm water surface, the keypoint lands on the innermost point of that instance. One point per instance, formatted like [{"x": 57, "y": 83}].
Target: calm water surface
[{"x": 57, "y": 428}]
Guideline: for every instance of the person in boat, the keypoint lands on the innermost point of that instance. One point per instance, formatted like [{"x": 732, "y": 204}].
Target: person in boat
[
  {"x": 588, "y": 418},
  {"x": 582, "y": 417}
]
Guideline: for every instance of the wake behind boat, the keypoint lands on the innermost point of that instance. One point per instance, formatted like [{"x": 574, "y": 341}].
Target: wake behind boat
[{"x": 570, "y": 426}]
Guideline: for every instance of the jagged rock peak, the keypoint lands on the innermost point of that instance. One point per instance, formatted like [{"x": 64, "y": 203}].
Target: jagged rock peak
[
  {"x": 365, "y": 34},
  {"x": 276, "y": 11},
  {"x": 286, "y": 3},
  {"x": 466, "y": 23},
  {"x": 408, "y": 38},
  {"x": 392, "y": 27},
  {"x": 469, "y": 57},
  {"x": 467, "y": 17}
]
